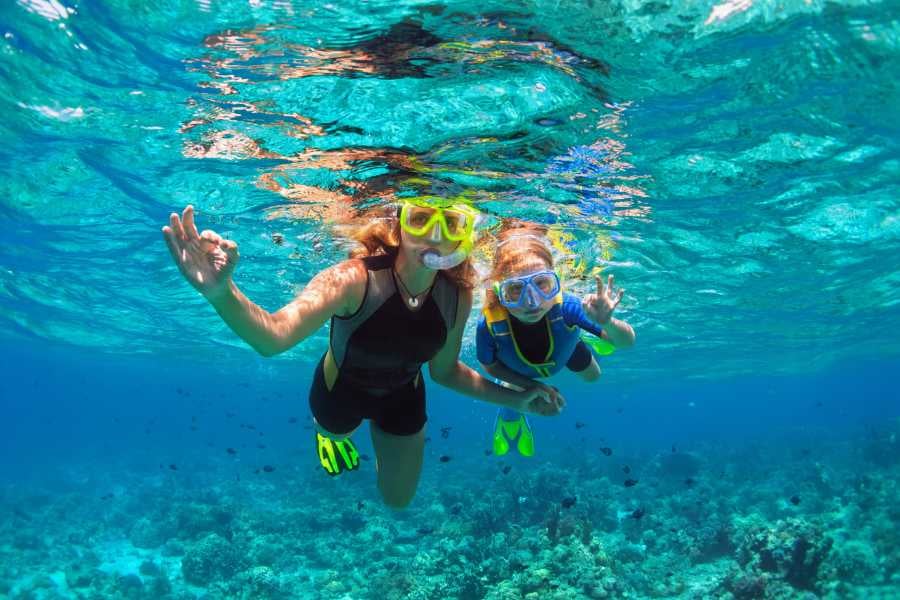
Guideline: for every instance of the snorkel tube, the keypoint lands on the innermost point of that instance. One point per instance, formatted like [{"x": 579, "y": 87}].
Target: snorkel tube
[{"x": 437, "y": 262}]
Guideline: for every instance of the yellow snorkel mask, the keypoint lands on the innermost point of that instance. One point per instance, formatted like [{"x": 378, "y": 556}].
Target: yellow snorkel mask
[{"x": 439, "y": 219}]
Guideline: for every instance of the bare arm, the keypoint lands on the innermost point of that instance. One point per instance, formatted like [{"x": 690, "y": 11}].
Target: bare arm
[
  {"x": 504, "y": 373},
  {"x": 207, "y": 261},
  {"x": 337, "y": 290},
  {"x": 620, "y": 333},
  {"x": 447, "y": 370}
]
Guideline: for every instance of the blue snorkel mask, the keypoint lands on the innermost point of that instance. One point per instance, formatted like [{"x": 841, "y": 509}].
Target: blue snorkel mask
[{"x": 528, "y": 291}]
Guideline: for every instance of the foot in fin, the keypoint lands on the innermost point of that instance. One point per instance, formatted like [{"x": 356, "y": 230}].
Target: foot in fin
[
  {"x": 512, "y": 426},
  {"x": 336, "y": 456}
]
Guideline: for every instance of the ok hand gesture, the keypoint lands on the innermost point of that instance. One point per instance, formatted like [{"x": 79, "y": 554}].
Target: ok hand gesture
[
  {"x": 206, "y": 260},
  {"x": 599, "y": 307}
]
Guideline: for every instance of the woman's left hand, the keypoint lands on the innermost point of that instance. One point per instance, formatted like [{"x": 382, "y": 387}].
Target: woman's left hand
[{"x": 600, "y": 306}]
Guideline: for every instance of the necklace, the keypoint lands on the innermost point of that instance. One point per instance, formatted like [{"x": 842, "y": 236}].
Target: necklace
[{"x": 413, "y": 301}]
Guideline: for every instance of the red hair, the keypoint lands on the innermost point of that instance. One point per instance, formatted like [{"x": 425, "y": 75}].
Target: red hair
[{"x": 517, "y": 242}]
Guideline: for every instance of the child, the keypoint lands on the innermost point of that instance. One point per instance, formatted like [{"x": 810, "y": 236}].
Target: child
[{"x": 532, "y": 329}]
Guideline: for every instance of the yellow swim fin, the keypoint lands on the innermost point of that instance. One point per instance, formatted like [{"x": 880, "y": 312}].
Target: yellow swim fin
[{"x": 336, "y": 456}]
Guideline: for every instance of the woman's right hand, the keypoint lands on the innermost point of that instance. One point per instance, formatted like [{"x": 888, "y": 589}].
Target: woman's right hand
[{"x": 206, "y": 259}]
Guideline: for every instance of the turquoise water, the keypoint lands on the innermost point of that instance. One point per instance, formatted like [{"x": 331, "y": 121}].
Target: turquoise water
[{"x": 734, "y": 165}]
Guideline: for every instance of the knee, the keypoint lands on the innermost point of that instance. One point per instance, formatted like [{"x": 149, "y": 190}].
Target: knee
[
  {"x": 590, "y": 375},
  {"x": 398, "y": 499}
]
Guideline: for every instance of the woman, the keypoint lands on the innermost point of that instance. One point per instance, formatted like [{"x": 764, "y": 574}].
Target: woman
[
  {"x": 400, "y": 302},
  {"x": 532, "y": 329}
]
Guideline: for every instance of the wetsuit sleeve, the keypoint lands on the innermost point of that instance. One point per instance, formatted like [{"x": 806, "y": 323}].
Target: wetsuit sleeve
[
  {"x": 573, "y": 313},
  {"x": 485, "y": 345}
]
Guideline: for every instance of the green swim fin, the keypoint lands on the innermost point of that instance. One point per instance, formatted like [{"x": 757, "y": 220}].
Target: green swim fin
[
  {"x": 336, "y": 456},
  {"x": 601, "y": 346},
  {"x": 512, "y": 426}
]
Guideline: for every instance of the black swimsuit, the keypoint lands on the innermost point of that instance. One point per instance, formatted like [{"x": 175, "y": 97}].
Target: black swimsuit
[
  {"x": 533, "y": 340},
  {"x": 379, "y": 352}
]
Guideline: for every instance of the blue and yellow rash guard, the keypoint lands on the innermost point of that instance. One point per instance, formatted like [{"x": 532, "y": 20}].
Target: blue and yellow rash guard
[{"x": 497, "y": 338}]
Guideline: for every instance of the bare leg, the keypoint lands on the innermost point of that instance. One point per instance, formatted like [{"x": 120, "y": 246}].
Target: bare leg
[
  {"x": 399, "y": 463},
  {"x": 333, "y": 436},
  {"x": 592, "y": 373}
]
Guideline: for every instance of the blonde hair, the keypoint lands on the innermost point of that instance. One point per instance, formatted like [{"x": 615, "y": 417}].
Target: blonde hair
[
  {"x": 516, "y": 243},
  {"x": 382, "y": 236}
]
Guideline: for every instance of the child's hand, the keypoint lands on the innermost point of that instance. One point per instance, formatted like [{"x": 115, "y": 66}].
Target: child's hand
[
  {"x": 600, "y": 306},
  {"x": 536, "y": 401},
  {"x": 553, "y": 394},
  {"x": 542, "y": 400}
]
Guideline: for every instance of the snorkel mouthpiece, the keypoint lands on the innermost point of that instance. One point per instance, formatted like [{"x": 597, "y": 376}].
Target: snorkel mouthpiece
[{"x": 435, "y": 261}]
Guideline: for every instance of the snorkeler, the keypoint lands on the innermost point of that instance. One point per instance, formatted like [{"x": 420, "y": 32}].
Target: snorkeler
[
  {"x": 400, "y": 301},
  {"x": 531, "y": 328}
]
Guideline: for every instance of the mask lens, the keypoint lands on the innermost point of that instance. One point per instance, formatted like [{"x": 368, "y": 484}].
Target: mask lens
[
  {"x": 512, "y": 291},
  {"x": 545, "y": 284},
  {"x": 417, "y": 218},
  {"x": 456, "y": 222}
]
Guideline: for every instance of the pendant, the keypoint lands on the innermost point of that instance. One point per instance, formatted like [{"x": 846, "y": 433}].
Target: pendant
[{"x": 413, "y": 302}]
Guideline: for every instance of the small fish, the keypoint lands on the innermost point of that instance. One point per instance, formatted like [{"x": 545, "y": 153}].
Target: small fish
[
  {"x": 251, "y": 426},
  {"x": 244, "y": 384},
  {"x": 360, "y": 505},
  {"x": 193, "y": 418},
  {"x": 455, "y": 509},
  {"x": 488, "y": 452},
  {"x": 261, "y": 446},
  {"x": 579, "y": 424},
  {"x": 507, "y": 469},
  {"x": 619, "y": 410},
  {"x": 606, "y": 450},
  {"x": 179, "y": 391},
  {"x": 795, "y": 500},
  {"x": 268, "y": 468},
  {"x": 278, "y": 239},
  {"x": 690, "y": 481},
  {"x": 193, "y": 428},
  {"x": 292, "y": 420},
  {"x": 427, "y": 439},
  {"x": 365, "y": 457},
  {"x": 231, "y": 451},
  {"x": 626, "y": 469},
  {"x": 445, "y": 432},
  {"x": 548, "y": 122},
  {"x": 819, "y": 404},
  {"x": 173, "y": 467},
  {"x": 444, "y": 458},
  {"x": 637, "y": 513},
  {"x": 425, "y": 530},
  {"x": 229, "y": 414},
  {"x": 106, "y": 496},
  {"x": 674, "y": 450},
  {"x": 630, "y": 482},
  {"x": 569, "y": 502}
]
